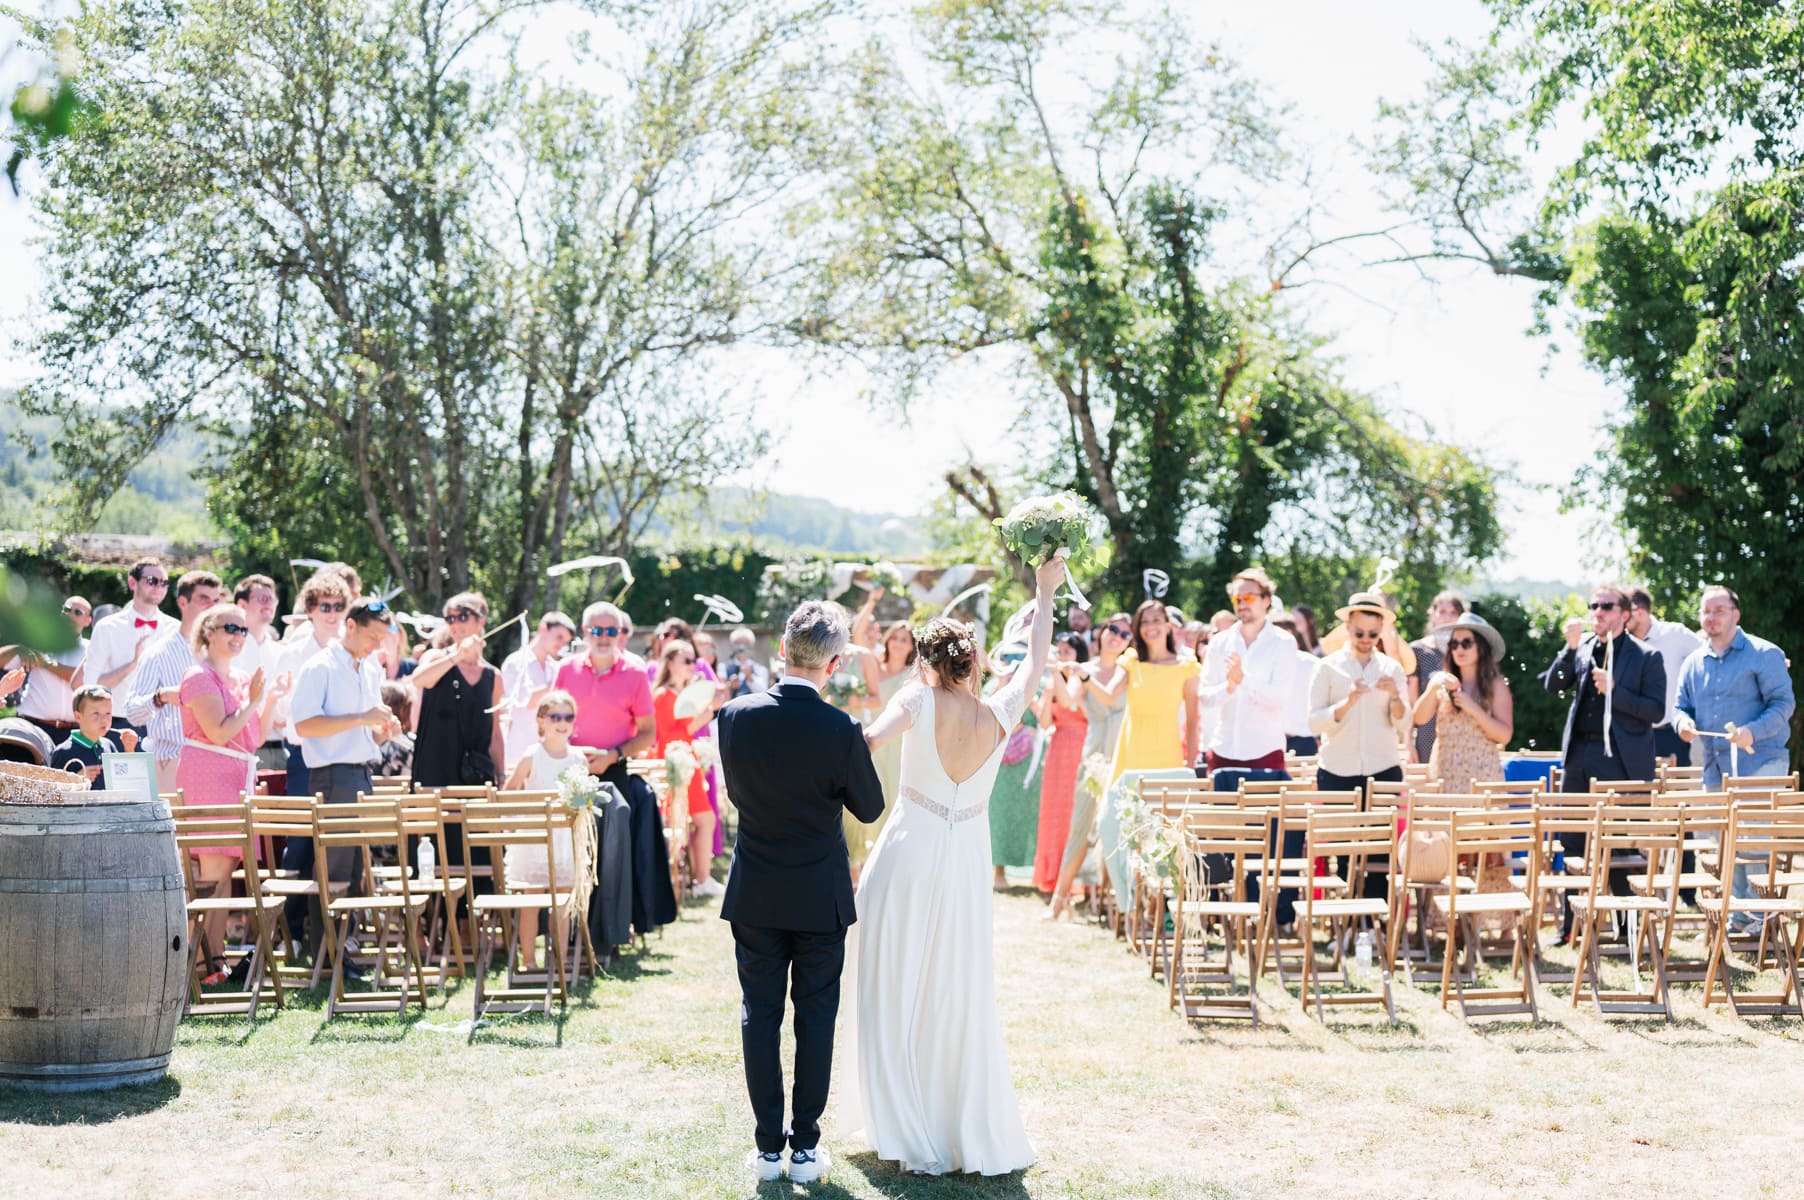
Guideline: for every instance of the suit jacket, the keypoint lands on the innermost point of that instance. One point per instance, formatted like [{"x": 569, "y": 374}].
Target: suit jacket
[
  {"x": 1637, "y": 698},
  {"x": 793, "y": 762}
]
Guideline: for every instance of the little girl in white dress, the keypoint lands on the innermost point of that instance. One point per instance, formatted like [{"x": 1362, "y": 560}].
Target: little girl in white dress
[{"x": 538, "y": 770}]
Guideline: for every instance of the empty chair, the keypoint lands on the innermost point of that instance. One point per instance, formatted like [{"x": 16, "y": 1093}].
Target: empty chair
[
  {"x": 1655, "y": 835},
  {"x": 1222, "y": 848},
  {"x": 1474, "y": 833}
]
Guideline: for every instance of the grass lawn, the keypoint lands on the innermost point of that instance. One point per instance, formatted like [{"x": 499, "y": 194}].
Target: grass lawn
[{"x": 637, "y": 1093}]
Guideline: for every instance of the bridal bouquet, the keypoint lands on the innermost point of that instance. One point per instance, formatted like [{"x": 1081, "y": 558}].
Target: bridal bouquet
[
  {"x": 888, "y": 576},
  {"x": 577, "y": 788},
  {"x": 1062, "y": 525}
]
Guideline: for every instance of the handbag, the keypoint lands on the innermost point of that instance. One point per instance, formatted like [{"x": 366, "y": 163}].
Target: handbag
[
  {"x": 1427, "y": 856},
  {"x": 475, "y": 768},
  {"x": 1020, "y": 745}
]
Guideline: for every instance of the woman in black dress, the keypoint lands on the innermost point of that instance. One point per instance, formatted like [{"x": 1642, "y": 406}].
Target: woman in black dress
[{"x": 458, "y": 742}]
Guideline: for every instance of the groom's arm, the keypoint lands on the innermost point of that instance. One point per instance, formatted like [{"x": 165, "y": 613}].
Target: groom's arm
[{"x": 864, "y": 791}]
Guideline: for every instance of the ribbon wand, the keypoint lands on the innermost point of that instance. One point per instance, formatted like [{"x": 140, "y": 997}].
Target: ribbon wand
[{"x": 1610, "y": 669}]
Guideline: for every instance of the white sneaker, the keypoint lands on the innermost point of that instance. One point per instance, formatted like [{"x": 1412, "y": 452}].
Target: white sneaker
[
  {"x": 808, "y": 1166},
  {"x": 764, "y": 1167},
  {"x": 708, "y": 887}
]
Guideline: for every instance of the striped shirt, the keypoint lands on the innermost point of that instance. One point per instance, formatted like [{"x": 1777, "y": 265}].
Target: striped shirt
[{"x": 165, "y": 661}]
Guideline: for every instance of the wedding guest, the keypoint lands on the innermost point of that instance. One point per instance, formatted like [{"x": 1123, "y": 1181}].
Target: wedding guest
[
  {"x": 93, "y": 736},
  {"x": 676, "y": 668},
  {"x": 539, "y": 769},
  {"x": 1197, "y": 635},
  {"x": 1247, "y": 676},
  {"x": 457, "y": 742},
  {"x": 118, "y": 639},
  {"x": 1077, "y": 620},
  {"x": 672, "y": 629},
  {"x": 1221, "y": 620},
  {"x": 256, "y": 595},
  {"x": 1299, "y": 738},
  {"x": 1158, "y": 683},
  {"x": 396, "y": 662},
  {"x": 222, "y": 710},
  {"x": 1431, "y": 656},
  {"x": 1634, "y": 693},
  {"x": 1060, "y": 709},
  {"x": 1103, "y": 720},
  {"x": 886, "y": 672},
  {"x": 1391, "y": 644},
  {"x": 323, "y": 601},
  {"x": 1308, "y": 635},
  {"x": 336, "y": 711},
  {"x": 1356, "y": 704},
  {"x": 744, "y": 674},
  {"x": 396, "y": 760},
  {"x": 1471, "y": 705},
  {"x": 48, "y": 701},
  {"x": 1674, "y": 643},
  {"x": 526, "y": 676},
  {"x": 153, "y": 691},
  {"x": 706, "y": 652},
  {"x": 1014, "y": 811},
  {"x": 1735, "y": 679}
]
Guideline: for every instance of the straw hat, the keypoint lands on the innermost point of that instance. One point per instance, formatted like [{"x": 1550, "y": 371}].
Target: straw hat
[
  {"x": 1483, "y": 629},
  {"x": 1364, "y": 602}
]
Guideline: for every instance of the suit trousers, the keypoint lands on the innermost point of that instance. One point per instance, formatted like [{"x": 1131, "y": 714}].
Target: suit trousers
[
  {"x": 339, "y": 783},
  {"x": 1585, "y": 764},
  {"x": 807, "y": 966}
]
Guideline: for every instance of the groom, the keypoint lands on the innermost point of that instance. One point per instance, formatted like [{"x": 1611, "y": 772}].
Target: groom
[{"x": 792, "y": 762}]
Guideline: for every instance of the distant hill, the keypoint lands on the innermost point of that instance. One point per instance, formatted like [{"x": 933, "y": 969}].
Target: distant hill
[
  {"x": 784, "y": 524},
  {"x": 160, "y": 497},
  {"x": 1528, "y": 589}
]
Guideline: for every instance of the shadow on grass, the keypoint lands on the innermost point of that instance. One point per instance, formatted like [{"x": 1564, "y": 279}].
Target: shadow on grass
[
  {"x": 224, "y": 1030},
  {"x": 350, "y": 1029},
  {"x": 21, "y": 1107}
]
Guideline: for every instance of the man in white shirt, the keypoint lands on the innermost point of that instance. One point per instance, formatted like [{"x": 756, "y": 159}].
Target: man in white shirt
[
  {"x": 526, "y": 675},
  {"x": 119, "y": 640},
  {"x": 323, "y": 599},
  {"x": 153, "y": 690},
  {"x": 48, "y": 699},
  {"x": 337, "y": 713},
  {"x": 256, "y": 595},
  {"x": 1299, "y": 739},
  {"x": 1247, "y": 676},
  {"x": 1674, "y": 643}
]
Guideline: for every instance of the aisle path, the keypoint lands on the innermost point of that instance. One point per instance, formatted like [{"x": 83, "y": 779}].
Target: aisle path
[{"x": 643, "y": 1098}]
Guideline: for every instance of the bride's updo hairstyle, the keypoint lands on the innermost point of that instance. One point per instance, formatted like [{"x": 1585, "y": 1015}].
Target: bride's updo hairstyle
[{"x": 949, "y": 648}]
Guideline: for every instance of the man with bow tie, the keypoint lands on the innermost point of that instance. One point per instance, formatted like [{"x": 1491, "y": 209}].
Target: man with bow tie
[
  {"x": 118, "y": 640},
  {"x": 1607, "y": 670}
]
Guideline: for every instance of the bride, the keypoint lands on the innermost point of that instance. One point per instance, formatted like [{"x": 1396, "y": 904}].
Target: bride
[{"x": 930, "y": 1087}]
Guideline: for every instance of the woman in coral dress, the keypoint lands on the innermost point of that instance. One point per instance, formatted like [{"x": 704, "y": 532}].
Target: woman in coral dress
[
  {"x": 1061, "y": 709},
  {"x": 676, "y": 668}
]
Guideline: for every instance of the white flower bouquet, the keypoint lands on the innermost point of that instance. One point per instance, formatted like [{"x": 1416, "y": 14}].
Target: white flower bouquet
[
  {"x": 843, "y": 687},
  {"x": 679, "y": 765},
  {"x": 1062, "y": 525},
  {"x": 577, "y": 788}
]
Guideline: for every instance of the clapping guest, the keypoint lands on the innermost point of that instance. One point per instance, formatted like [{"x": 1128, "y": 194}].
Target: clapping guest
[
  {"x": 118, "y": 639},
  {"x": 1471, "y": 705},
  {"x": 1356, "y": 704},
  {"x": 1060, "y": 708},
  {"x": 1158, "y": 682},
  {"x": 458, "y": 739},
  {"x": 676, "y": 668},
  {"x": 1247, "y": 678},
  {"x": 222, "y": 711},
  {"x": 885, "y": 673},
  {"x": 396, "y": 760},
  {"x": 1431, "y": 656},
  {"x": 527, "y": 675},
  {"x": 1103, "y": 719},
  {"x": 323, "y": 600}
]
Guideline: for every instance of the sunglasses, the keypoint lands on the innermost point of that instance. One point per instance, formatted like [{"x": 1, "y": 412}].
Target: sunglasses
[
  {"x": 71, "y": 610},
  {"x": 561, "y": 718},
  {"x": 1601, "y": 605},
  {"x": 331, "y": 606},
  {"x": 1247, "y": 597},
  {"x": 1464, "y": 643},
  {"x": 1120, "y": 631},
  {"x": 461, "y": 616},
  {"x": 154, "y": 580},
  {"x": 233, "y": 629},
  {"x": 685, "y": 658},
  {"x": 1363, "y": 635},
  {"x": 605, "y": 631}
]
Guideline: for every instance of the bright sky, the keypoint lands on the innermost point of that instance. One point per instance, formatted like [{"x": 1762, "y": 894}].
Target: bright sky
[{"x": 1455, "y": 354}]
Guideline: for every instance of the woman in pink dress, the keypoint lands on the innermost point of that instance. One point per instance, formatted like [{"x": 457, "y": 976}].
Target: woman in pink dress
[
  {"x": 222, "y": 726},
  {"x": 1061, "y": 709}
]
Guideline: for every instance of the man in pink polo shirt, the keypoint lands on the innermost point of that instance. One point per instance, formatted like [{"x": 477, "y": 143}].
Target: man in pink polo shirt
[{"x": 613, "y": 701}]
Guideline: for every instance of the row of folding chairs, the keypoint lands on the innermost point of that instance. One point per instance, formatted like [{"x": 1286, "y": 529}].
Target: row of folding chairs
[
  {"x": 1217, "y": 904},
  {"x": 375, "y": 904}
]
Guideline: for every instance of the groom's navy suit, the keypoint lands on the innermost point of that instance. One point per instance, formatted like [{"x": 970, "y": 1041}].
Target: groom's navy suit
[{"x": 792, "y": 763}]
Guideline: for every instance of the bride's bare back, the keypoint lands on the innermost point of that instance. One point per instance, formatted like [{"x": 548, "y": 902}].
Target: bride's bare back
[{"x": 964, "y": 732}]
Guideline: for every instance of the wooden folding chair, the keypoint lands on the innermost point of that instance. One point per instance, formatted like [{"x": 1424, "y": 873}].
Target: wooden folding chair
[
  {"x": 1773, "y": 834},
  {"x": 1168, "y": 800},
  {"x": 1509, "y": 787},
  {"x": 579, "y": 949},
  {"x": 1285, "y": 871},
  {"x": 1222, "y": 848},
  {"x": 226, "y": 827},
  {"x": 274, "y": 821},
  {"x": 1427, "y": 816},
  {"x": 498, "y": 824},
  {"x": 1564, "y": 872},
  {"x": 390, "y": 919},
  {"x": 1681, "y": 779},
  {"x": 1475, "y": 833},
  {"x": 423, "y": 819},
  {"x": 1357, "y": 837},
  {"x": 1655, "y": 835}
]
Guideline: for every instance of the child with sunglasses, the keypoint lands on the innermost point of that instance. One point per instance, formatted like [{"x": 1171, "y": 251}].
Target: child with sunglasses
[{"x": 538, "y": 770}]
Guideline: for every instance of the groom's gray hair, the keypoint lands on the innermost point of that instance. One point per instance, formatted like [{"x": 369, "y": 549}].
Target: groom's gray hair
[{"x": 814, "y": 634}]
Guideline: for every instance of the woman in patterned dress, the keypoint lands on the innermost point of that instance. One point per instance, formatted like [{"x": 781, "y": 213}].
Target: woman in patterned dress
[{"x": 1471, "y": 705}]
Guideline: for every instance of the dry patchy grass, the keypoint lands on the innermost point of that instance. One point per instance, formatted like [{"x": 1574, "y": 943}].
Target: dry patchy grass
[{"x": 637, "y": 1093}]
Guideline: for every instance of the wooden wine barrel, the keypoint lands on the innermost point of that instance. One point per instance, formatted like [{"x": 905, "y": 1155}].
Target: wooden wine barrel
[{"x": 93, "y": 944}]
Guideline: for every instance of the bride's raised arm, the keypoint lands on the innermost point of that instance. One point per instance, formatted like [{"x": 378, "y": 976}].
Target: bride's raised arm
[
  {"x": 1014, "y": 695},
  {"x": 900, "y": 715}
]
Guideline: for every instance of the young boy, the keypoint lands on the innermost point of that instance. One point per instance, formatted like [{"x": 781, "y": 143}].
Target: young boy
[{"x": 80, "y": 754}]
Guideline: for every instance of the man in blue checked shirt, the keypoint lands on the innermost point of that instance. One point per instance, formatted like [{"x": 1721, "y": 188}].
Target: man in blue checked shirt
[{"x": 1740, "y": 680}]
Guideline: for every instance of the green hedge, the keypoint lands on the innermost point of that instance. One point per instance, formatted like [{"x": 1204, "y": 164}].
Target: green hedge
[{"x": 1532, "y": 636}]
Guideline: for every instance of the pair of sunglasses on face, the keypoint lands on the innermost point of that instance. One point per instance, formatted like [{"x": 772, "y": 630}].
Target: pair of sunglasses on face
[{"x": 605, "y": 631}]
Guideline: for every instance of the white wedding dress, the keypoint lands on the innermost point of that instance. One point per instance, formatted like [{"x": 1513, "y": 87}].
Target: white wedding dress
[{"x": 929, "y": 1085}]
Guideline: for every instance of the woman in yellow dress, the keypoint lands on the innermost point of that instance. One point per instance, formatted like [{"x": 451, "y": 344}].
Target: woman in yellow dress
[{"x": 1160, "y": 681}]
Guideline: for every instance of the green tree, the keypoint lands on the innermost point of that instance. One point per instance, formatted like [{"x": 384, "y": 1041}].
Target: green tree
[
  {"x": 1672, "y": 238},
  {"x": 971, "y": 214}
]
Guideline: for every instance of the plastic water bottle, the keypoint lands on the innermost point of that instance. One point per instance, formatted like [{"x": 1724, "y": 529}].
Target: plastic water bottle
[
  {"x": 426, "y": 858},
  {"x": 1362, "y": 951}
]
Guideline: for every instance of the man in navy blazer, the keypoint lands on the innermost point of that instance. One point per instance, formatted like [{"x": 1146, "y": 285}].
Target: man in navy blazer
[
  {"x": 1632, "y": 690},
  {"x": 793, "y": 763}
]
